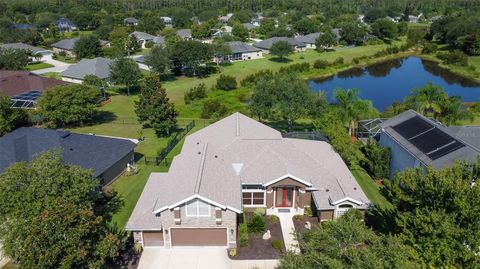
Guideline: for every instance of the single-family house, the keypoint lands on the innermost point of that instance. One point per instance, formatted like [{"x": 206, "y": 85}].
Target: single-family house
[
  {"x": 43, "y": 54},
  {"x": 107, "y": 157},
  {"x": 309, "y": 40},
  {"x": 226, "y": 18},
  {"x": 185, "y": 34},
  {"x": 249, "y": 26},
  {"x": 144, "y": 38},
  {"x": 241, "y": 52},
  {"x": 224, "y": 31},
  {"x": 266, "y": 44},
  {"x": 415, "y": 140},
  {"x": 130, "y": 21},
  {"x": 99, "y": 67},
  {"x": 65, "y": 25},
  {"x": 167, "y": 21},
  {"x": 415, "y": 19},
  {"x": 67, "y": 46},
  {"x": 239, "y": 164},
  {"x": 391, "y": 19},
  {"x": 23, "y": 26},
  {"x": 24, "y": 87},
  {"x": 436, "y": 18}
]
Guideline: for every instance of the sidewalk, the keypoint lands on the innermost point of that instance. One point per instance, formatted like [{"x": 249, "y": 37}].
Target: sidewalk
[{"x": 288, "y": 230}]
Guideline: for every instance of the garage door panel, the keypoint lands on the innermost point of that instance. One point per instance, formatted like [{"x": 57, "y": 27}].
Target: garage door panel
[
  {"x": 199, "y": 237},
  {"x": 153, "y": 239}
]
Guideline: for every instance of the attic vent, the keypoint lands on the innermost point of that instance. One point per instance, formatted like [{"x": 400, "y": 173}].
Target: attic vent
[
  {"x": 199, "y": 153},
  {"x": 355, "y": 188},
  {"x": 327, "y": 190},
  {"x": 237, "y": 167}
]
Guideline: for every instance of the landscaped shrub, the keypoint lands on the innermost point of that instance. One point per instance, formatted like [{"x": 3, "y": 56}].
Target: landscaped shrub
[
  {"x": 251, "y": 79},
  {"x": 213, "y": 109},
  {"x": 455, "y": 57},
  {"x": 243, "y": 234},
  {"x": 149, "y": 44},
  {"x": 277, "y": 244},
  {"x": 300, "y": 67},
  {"x": 273, "y": 219},
  {"x": 429, "y": 48},
  {"x": 320, "y": 64},
  {"x": 256, "y": 224},
  {"x": 339, "y": 61},
  {"x": 225, "y": 82},
  {"x": 195, "y": 93},
  {"x": 259, "y": 211},
  {"x": 308, "y": 211},
  {"x": 376, "y": 161}
]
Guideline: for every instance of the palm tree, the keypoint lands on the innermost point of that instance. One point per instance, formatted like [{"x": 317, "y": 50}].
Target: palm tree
[
  {"x": 352, "y": 106},
  {"x": 452, "y": 110},
  {"x": 428, "y": 99}
]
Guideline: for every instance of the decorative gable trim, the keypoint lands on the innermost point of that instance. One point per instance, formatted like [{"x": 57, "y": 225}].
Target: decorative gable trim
[
  {"x": 196, "y": 196},
  {"x": 345, "y": 200},
  {"x": 308, "y": 184}
]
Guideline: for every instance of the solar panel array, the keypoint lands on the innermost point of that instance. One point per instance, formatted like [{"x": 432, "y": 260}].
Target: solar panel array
[
  {"x": 428, "y": 138},
  {"x": 26, "y": 99}
]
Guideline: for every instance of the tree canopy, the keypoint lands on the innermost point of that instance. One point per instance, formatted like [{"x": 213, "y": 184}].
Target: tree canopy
[
  {"x": 281, "y": 49},
  {"x": 54, "y": 215},
  {"x": 88, "y": 47},
  {"x": 14, "y": 59},
  {"x": 125, "y": 71},
  {"x": 10, "y": 117},
  {"x": 73, "y": 104},
  {"x": 158, "y": 60}
]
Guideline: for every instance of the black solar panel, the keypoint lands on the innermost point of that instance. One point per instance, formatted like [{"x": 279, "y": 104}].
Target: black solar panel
[
  {"x": 412, "y": 127},
  {"x": 426, "y": 137}
]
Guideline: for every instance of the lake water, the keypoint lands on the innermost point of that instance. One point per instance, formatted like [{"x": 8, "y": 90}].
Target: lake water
[{"x": 390, "y": 81}]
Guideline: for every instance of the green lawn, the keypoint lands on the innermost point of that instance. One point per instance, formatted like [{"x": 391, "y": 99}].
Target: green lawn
[
  {"x": 177, "y": 87},
  {"x": 52, "y": 75},
  {"x": 66, "y": 59},
  {"x": 370, "y": 188},
  {"x": 37, "y": 66}
]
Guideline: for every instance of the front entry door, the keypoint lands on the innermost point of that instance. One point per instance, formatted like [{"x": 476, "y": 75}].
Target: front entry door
[{"x": 284, "y": 197}]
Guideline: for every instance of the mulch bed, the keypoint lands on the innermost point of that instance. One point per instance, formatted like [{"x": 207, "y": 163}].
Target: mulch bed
[
  {"x": 300, "y": 223},
  {"x": 259, "y": 249}
]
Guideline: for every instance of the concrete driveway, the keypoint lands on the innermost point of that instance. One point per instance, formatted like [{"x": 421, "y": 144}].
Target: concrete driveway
[
  {"x": 196, "y": 258},
  {"x": 58, "y": 67},
  {"x": 183, "y": 258}
]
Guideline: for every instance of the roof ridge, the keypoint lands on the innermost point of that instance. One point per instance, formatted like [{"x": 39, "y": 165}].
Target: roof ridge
[{"x": 198, "y": 182}]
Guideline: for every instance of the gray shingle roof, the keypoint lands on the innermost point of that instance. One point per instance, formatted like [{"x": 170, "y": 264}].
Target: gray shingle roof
[
  {"x": 26, "y": 47},
  {"x": 468, "y": 135},
  {"x": 240, "y": 47},
  {"x": 267, "y": 43},
  {"x": 184, "y": 33},
  {"x": 149, "y": 37},
  {"x": 205, "y": 168},
  {"x": 91, "y": 152},
  {"x": 69, "y": 44},
  {"x": 99, "y": 67},
  {"x": 308, "y": 39},
  {"x": 249, "y": 26},
  {"x": 130, "y": 20}
]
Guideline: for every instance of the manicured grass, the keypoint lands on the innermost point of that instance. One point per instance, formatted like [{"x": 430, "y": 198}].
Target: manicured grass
[
  {"x": 52, "y": 75},
  {"x": 370, "y": 188},
  {"x": 177, "y": 87},
  {"x": 66, "y": 59},
  {"x": 476, "y": 120},
  {"x": 37, "y": 66}
]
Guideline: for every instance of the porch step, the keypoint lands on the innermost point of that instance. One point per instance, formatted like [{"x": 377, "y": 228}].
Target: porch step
[{"x": 283, "y": 210}]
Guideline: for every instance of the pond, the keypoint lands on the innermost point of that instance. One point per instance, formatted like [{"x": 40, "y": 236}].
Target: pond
[{"x": 390, "y": 81}]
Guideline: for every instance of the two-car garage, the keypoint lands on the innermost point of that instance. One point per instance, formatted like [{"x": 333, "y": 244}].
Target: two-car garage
[{"x": 199, "y": 237}]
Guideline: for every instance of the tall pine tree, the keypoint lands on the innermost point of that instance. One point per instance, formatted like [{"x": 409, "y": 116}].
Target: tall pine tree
[{"x": 154, "y": 107}]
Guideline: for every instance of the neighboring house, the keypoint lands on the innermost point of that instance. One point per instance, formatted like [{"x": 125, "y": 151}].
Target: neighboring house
[
  {"x": 415, "y": 19},
  {"x": 249, "y": 26},
  {"x": 226, "y": 18},
  {"x": 23, "y": 26},
  {"x": 241, "y": 52},
  {"x": 99, "y": 67},
  {"x": 224, "y": 31},
  {"x": 391, "y": 19},
  {"x": 143, "y": 38},
  {"x": 309, "y": 40},
  {"x": 415, "y": 140},
  {"x": 167, "y": 21},
  {"x": 45, "y": 54},
  {"x": 131, "y": 21},
  {"x": 107, "y": 157},
  {"x": 67, "y": 46},
  {"x": 436, "y": 18},
  {"x": 361, "y": 18},
  {"x": 266, "y": 44},
  {"x": 24, "y": 87},
  {"x": 239, "y": 164},
  {"x": 65, "y": 25},
  {"x": 185, "y": 34}
]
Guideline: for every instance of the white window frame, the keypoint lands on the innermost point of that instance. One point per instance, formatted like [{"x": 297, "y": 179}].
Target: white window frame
[
  {"x": 197, "y": 213},
  {"x": 255, "y": 191}
]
